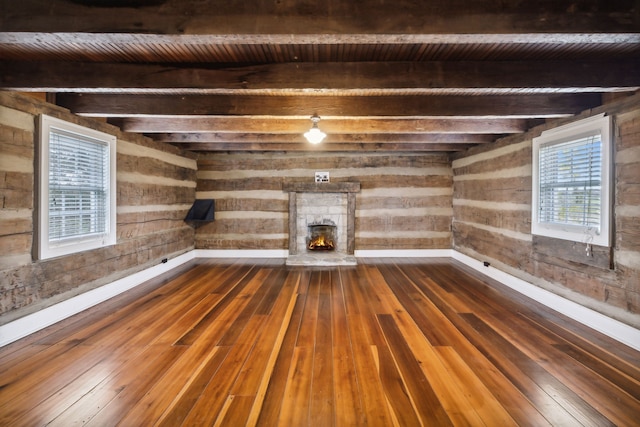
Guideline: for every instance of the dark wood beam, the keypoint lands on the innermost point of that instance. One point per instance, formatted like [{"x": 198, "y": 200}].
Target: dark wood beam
[
  {"x": 354, "y": 78},
  {"x": 272, "y": 125},
  {"x": 340, "y": 21},
  {"x": 293, "y": 138},
  {"x": 514, "y": 106},
  {"x": 305, "y": 146}
]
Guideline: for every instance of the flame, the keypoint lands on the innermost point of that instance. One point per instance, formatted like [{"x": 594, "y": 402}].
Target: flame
[{"x": 320, "y": 242}]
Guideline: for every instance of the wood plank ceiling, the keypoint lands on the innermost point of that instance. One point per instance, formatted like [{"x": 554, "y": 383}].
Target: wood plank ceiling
[{"x": 382, "y": 75}]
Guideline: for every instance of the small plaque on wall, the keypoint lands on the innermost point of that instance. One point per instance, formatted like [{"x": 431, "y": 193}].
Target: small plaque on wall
[{"x": 322, "y": 176}]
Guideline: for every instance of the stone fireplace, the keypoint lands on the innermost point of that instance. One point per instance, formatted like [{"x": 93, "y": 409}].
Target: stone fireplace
[{"x": 314, "y": 205}]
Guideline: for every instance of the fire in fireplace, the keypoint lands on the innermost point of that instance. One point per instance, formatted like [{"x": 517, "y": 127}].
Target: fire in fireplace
[{"x": 321, "y": 237}]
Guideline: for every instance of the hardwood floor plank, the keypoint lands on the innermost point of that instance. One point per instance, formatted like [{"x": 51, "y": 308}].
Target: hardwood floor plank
[
  {"x": 272, "y": 403},
  {"x": 450, "y": 377},
  {"x": 147, "y": 308},
  {"x": 376, "y": 291},
  {"x": 296, "y": 398},
  {"x": 269, "y": 341},
  {"x": 360, "y": 289},
  {"x": 322, "y": 398},
  {"x": 388, "y": 342},
  {"x": 339, "y": 328},
  {"x": 189, "y": 313},
  {"x": 205, "y": 410},
  {"x": 197, "y": 359},
  {"x": 367, "y": 371},
  {"x": 255, "y": 298},
  {"x": 86, "y": 323},
  {"x": 596, "y": 390},
  {"x": 229, "y": 290},
  {"x": 404, "y": 297},
  {"x": 426, "y": 402},
  {"x": 348, "y": 279},
  {"x": 366, "y": 340},
  {"x": 52, "y": 401},
  {"x": 619, "y": 357},
  {"x": 488, "y": 408},
  {"x": 12, "y": 355},
  {"x": 629, "y": 384},
  {"x": 17, "y": 369},
  {"x": 348, "y": 403},
  {"x": 266, "y": 346},
  {"x": 511, "y": 398},
  {"x": 570, "y": 365},
  {"x": 436, "y": 328},
  {"x": 307, "y": 331},
  {"x": 558, "y": 403},
  {"x": 191, "y": 373},
  {"x": 269, "y": 368},
  {"x": 397, "y": 395},
  {"x": 25, "y": 393},
  {"x": 272, "y": 284},
  {"x": 188, "y": 389},
  {"x": 235, "y": 412},
  {"x": 452, "y": 399},
  {"x": 121, "y": 390}
]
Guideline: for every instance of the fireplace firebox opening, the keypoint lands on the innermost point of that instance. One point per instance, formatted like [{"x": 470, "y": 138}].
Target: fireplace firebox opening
[{"x": 321, "y": 237}]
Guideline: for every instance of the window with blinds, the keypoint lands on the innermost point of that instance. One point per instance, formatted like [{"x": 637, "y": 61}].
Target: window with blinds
[
  {"x": 77, "y": 186},
  {"x": 571, "y": 182}
]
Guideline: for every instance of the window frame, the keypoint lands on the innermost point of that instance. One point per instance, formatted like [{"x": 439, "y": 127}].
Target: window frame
[
  {"x": 573, "y": 131},
  {"x": 45, "y": 247}
]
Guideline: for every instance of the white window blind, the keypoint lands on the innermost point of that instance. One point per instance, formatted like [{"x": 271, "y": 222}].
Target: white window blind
[
  {"x": 78, "y": 186},
  {"x": 570, "y": 182},
  {"x": 572, "y": 185}
]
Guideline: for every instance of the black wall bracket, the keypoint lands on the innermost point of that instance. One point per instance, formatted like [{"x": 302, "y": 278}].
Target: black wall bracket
[{"x": 201, "y": 212}]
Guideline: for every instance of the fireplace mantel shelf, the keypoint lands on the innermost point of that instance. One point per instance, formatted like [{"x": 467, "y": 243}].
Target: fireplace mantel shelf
[{"x": 324, "y": 187}]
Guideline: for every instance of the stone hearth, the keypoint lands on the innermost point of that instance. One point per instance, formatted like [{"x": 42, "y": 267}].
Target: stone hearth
[{"x": 314, "y": 203}]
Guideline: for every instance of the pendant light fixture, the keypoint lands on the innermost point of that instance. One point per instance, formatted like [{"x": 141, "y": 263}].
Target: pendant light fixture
[{"x": 315, "y": 135}]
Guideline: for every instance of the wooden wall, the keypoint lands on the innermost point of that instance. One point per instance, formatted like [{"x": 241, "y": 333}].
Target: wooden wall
[
  {"x": 479, "y": 205},
  {"x": 404, "y": 203},
  {"x": 492, "y": 220},
  {"x": 155, "y": 185}
]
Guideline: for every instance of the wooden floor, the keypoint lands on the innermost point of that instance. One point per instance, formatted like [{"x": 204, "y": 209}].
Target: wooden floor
[{"x": 253, "y": 342}]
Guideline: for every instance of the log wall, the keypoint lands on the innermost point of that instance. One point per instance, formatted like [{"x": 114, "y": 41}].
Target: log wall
[
  {"x": 492, "y": 219},
  {"x": 155, "y": 188},
  {"x": 404, "y": 202}
]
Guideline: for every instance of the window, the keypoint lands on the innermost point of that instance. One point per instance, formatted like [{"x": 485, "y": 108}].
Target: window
[
  {"x": 571, "y": 182},
  {"x": 76, "y": 188}
]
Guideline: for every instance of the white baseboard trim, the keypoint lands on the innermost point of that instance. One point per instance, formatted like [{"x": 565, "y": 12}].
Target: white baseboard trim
[
  {"x": 404, "y": 253},
  {"x": 31, "y": 323},
  {"x": 615, "y": 329},
  {"x": 241, "y": 253}
]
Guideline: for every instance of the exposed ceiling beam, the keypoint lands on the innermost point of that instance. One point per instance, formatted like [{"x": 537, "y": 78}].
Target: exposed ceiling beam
[
  {"x": 484, "y": 35},
  {"x": 247, "y": 75},
  {"x": 281, "y": 125},
  {"x": 335, "y": 21},
  {"x": 535, "y": 106},
  {"x": 352, "y": 78},
  {"x": 305, "y": 146},
  {"x": 294, "y": 138}
]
